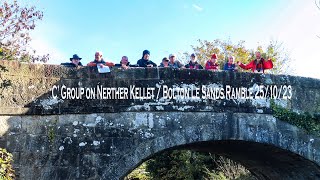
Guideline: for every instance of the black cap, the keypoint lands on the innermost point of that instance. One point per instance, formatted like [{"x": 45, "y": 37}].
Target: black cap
[
  {"x": 165, "y": 59},
  {"x": 145, "y": 52}
]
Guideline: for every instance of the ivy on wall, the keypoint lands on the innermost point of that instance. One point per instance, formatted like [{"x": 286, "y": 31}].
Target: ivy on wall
[{"x": 310, "y": 123}]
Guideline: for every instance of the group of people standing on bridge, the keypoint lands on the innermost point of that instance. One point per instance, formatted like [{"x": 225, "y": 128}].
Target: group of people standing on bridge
[{"x": 258, "y": 65}]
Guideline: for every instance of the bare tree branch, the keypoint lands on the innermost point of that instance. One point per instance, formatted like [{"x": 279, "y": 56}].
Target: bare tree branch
[
  {"x": 15, "y": 24},
  {"x": 317, "y": 2}
]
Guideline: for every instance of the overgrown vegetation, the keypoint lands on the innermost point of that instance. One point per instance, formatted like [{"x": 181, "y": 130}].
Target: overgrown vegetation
[
  {"x": 139, "y": 173},
  {"x": 306, "y": 121},
  {"x": 6, "y": 170},
  {"x": 185, "y": 164}
]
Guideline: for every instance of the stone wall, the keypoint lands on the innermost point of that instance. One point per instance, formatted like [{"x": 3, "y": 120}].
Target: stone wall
[
  {"x": 56, "y": 138},
  {"x": 110, "y": 145},
  {"x": 30, "y": 91}
]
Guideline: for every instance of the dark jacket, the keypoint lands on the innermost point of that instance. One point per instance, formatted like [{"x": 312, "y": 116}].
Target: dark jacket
[
  {"x": 144, "y": 63},
  {"x": 71, "y": 64},
  {"x": 192, "y": 65}
]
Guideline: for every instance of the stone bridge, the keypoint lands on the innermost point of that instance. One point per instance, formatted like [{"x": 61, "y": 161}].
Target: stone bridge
[{"x": 62, "y": 123}]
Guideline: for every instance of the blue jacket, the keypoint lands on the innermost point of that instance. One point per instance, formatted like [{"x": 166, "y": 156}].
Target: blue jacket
[{"x": 229, "y": 67}]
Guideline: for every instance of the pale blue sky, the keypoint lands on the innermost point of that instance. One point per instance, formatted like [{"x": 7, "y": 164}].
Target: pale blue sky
[{"x": 127, "y": 27}]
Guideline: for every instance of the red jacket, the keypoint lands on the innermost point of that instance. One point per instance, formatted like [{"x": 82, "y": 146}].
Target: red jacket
[
  {"x": 253, "y": 65},
  {"x": 210, "y": 65},
  {"x": 95, "y": 62}
]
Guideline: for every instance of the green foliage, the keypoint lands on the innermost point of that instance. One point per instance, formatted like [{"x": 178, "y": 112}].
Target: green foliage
[
  {"x": 306, "y": 121},
  {"x": 185, "y": 164},
  {"x": 223, "y": 49},
  {"x": 280, "y": 58},
  {"x": 216, "y": 175},
  {"x": 246, "y": 177},
  {"x": 51, "y": 131},
  {"x": 178, "y": 165},
  {"x": 51, "y": 134},
  {"x": 230, "y": 169},
  {"x": 6, "y": 170},
  {"x": 173, "y": 165},
  {"x": 139, "y": 173}
]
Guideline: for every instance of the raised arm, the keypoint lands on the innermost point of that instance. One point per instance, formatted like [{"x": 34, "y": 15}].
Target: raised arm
[
  {"x": 110, "y": 64},
  {"x": 91, "y": 64},
  {"x": 246, "y": 66},
  {"x": 267, "y": 64}
]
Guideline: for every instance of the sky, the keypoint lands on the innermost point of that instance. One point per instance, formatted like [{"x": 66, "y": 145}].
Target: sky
[{"x": 127, "y": 27}]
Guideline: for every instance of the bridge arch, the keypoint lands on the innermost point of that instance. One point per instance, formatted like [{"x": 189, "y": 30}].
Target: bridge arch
[{"x": 269, "y": 148}]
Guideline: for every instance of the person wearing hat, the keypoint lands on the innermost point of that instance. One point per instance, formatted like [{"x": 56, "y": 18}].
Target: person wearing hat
[
  {"x": 258, "y": 65},
  {"x": 175, "y": 63},
  {"x": 75, "y": 61},
  {"x": 165, "y": 62},
  {"x": 98, "y": 61},
  {"x": 193, "y": 64},
  {"x": 144, "y": 61},
  {"x": 211, "y": 64},
  {"x": 230, "y": 65}
]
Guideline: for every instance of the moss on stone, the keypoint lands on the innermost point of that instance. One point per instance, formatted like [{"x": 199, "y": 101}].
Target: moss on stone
[
  {"x": 51, "y": 131},
  {"x": 306, "y": 121},
  {"x": 51, "y": 134}
]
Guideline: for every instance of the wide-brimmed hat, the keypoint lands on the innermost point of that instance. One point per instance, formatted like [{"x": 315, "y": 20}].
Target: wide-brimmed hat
[{"x": 75, "y": 56}]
